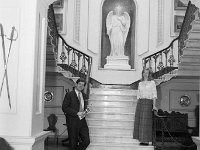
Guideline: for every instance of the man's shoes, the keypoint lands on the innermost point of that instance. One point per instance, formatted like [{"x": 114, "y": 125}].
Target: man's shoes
[{"x": 144, "y": 144}]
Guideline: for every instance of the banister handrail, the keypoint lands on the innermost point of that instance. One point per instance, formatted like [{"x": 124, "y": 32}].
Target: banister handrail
[
  {"x": 87, "y": 89},
  {"x": 54, "y": 18},
  {"x": 163, "y": 49},
  {"x": 166, "y": 64},
  {"x": 71, "y": 46},
  {"x": 70, "y": 53},
  {"x": 186, "y": 26}
]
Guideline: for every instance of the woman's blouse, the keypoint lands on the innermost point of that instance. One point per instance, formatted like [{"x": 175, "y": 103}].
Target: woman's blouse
[{"x": 147, "y": 89}]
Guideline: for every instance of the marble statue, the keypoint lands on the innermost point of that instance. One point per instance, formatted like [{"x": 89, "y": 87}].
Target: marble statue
[{"x": 117, "y": 24}]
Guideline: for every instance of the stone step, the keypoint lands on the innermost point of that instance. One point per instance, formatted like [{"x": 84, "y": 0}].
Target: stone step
[
  {"x": 196, "y": 25},
  {"x": 112, "y": 139},
  {"x": 189, "y": 66},
  {"x": 108, "y": 116},
  {"x": 110, "y": 122},
  {"x": 114, "y": 86},
  {"x": 117, "y": 103},
  {"x": 109, "y": 146},
  {"x": 102, "y": 91},
  {"x": 191, "y": 51},
  {"x": 51, "y": 63},
  {"x": 190, "y": 59},
  {"x": 194, "y": 35},
  {"x": 111, "y": 97},
  {"x": 107, "y": 109},
  {"x": 188, "y": 72},
  {"x": 192, "y": 43},
  {"x": 111, "y": 130}
]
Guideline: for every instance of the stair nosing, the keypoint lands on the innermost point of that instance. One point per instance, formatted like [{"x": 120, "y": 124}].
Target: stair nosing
[
  {"x": 112, "y": 106},
  {"x": 112, "y": 100},
  {"x": 135, "y": 144},
  {"x": 107, "y": 136},
  {"x": 112, "y": 113},
  {"x": 111, "y": 127},
  {"x": 122, "y": 95},
  {"x": 110, "y": 120}
]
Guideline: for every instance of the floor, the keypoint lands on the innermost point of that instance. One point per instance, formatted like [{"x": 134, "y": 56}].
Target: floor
[
  {"x": 52, "y": 145},
  {"x": 63, "y": 145}
]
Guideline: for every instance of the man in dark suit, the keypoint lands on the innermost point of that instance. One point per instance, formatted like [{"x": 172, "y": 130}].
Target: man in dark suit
[{"x": 73, "y": 106}]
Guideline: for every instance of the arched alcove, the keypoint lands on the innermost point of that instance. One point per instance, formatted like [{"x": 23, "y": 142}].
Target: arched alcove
[{"x": 129, "y": 48}]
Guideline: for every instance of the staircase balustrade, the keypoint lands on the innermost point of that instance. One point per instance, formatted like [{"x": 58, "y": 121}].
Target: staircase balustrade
[
  {"x": 70, "y": 59},
  {"x": 186, "y": 26},
  {"x": 165, "y": 60},
  {"x": 74, "y": 60},
  {"x": 161, "y": 62},
  {"x": 52, "y": 32}
]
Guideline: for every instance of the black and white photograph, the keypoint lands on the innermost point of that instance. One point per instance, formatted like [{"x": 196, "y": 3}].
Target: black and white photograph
[{"x": 99, "y": 74}]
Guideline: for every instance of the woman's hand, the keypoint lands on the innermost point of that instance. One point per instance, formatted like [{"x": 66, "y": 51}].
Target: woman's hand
[{"x": 155, "y": 108}]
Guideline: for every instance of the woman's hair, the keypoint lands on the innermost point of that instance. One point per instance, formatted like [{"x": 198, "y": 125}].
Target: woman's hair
[{"x": 150, "y": 76}]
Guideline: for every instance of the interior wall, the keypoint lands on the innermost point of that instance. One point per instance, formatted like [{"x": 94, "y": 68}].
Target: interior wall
[
  {"x": 58, "y": 85},
  {"x": 21, "y": 15},
  {"x": 169, "y": 95}
]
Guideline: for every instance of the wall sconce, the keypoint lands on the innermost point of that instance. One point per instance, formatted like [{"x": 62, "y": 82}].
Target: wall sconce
[
  {"x": 48, "y": 96},
  {"x": 185, "y": 101}
]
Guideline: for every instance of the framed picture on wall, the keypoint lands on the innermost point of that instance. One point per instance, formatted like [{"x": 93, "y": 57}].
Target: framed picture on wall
[
  {"x": 178, "y": 20},
  {"x": 180, "y": 4},
  {"x": 60, "y": 15},
  {"x": 59, "y": 22},
  {"x": 58, "y": 4}
]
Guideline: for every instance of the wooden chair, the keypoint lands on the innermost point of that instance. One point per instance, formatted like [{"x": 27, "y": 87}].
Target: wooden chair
[{"x": 52, "y": 120}]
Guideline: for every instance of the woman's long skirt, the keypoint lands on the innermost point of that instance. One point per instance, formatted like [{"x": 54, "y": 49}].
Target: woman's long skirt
[{"x": 143, "y": 120}]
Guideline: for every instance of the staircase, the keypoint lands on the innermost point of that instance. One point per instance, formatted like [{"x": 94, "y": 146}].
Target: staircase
[
  {"x": 111, "y": 119},
  {"x": 189, "y": 64},
  {"x": 190, "y": 60}
]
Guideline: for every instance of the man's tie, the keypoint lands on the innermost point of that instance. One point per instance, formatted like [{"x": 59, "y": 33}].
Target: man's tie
[{"x": 79, "y": 97}]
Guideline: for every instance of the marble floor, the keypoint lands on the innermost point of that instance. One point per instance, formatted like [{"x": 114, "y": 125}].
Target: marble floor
[{"x": 52, "y": 145}]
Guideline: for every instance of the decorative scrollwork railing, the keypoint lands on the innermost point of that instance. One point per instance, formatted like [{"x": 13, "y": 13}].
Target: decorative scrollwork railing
[
  {"x": 163, "y": 61},
  {"x": 52, "y": 32},
  {"x": 74, "y": 60},
  {"x": 69, "y": 59},
  {"x": 186, "y": 26}
]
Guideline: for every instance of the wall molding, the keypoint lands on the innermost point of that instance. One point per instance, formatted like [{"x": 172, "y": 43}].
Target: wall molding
[
  {"x": 160, "y": 23},
  {"x": 77, "y": 7}
]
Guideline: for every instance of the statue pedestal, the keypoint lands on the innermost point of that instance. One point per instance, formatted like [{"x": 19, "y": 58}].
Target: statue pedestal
[{"x": 117, "y": 62}]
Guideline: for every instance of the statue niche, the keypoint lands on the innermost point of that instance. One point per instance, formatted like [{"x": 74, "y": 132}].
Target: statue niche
[{"x": 117, "y": 35}]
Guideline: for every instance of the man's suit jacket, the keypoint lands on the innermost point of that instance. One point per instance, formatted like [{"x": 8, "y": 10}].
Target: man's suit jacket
[{"x": 71, "y": 105}]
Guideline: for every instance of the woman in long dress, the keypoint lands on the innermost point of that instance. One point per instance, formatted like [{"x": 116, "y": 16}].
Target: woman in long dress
[{"x": 147, "y": 95}]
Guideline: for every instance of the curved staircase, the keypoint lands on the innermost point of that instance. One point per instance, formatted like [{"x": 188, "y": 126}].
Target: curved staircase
[
  {"x": 190, "y": 60},
  {"x": 111, "y": 119}
]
